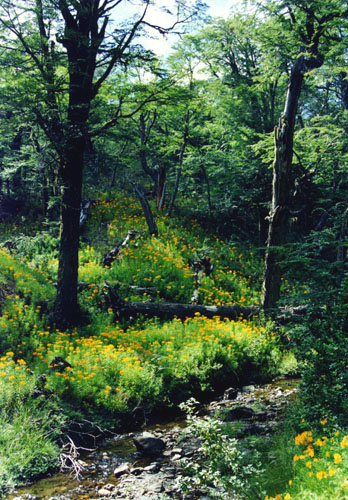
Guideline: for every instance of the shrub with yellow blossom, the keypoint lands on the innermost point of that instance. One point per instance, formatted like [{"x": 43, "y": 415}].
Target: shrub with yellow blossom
[{"x": 320, "y": 466}]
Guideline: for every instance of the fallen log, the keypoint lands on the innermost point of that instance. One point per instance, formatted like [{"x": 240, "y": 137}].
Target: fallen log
[
  {"x": 141, "y": 290},
  {"x": 165, "y": 310}
]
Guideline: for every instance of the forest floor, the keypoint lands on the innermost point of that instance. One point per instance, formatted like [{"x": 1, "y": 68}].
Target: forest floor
[{"x": 115, "y": 373}]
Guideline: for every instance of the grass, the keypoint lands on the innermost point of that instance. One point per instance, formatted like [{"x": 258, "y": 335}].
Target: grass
[{"x": 30, "y": 425}]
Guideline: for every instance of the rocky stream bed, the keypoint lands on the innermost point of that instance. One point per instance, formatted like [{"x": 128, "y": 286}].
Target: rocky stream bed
[{"x": 146, "y": 465}]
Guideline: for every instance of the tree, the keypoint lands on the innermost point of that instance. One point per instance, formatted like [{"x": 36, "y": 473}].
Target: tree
[
  {"x": 311, "y": 22},
  {"x": 68, "y": 78}
]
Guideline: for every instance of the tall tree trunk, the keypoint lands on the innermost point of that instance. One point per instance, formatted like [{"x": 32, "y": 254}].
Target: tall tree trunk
[
  {"x": 66, "y": 308},
  {"x": 145, "y": 127},
  {"x": 341, "y": 250},
  {"x": 206, "y": 178},
  {"x": 282, "y": 183}
]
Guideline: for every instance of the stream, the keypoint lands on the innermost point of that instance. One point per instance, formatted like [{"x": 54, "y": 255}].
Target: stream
[{"x": 116, "y": 469}]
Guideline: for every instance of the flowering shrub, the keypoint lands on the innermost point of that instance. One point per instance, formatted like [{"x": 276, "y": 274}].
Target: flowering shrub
[
  {"x": 320, "y": 466},
  {"x": 118, "y": 368},
  {"x": 163, "y": 262}
]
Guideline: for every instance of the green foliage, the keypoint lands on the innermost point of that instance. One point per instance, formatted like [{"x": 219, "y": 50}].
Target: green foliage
[
  {"x": 151, "y": 364},
  {"x": 34, "y": 285},
  {"x": 225, "y": 469},
  {"x": 322, "y": 352},
  {"x": 30, "y": 425},
  {"x": 164, "y": 260},
  {"x": 39, "y": 249},
  {"x": 316, "y": 463}
]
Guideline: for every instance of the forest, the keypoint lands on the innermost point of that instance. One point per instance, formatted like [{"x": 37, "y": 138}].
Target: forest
[{"x": 172, "y": 227}]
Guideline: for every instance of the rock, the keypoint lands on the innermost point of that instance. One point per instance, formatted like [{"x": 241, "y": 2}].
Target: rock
[
  {"x": 152, "y": 468},
  {"x": 155, "y": 487},
  {"x": 260, "y": 415},
  {"x": 104, "y": 492},
  {"x": 230, "y": 394},
  {"x": 136, "y": 471},
  {"x": 83, "y": 463},
  {"x": 238, "y": 413},
  {"x": 26, "y": 496},
  {"x": 121, "y": 469},
  {"x": 176, "y": 450},
  {"x": 149, "y": 445},
  {"x": 249, "y": 388},
  {"x": 109, "y": 487}
]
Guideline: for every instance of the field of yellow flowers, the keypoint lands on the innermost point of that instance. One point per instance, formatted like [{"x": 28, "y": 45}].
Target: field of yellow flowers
[
  {"x": 113, "y": 367},
  {"x": 118, "y": 366}
]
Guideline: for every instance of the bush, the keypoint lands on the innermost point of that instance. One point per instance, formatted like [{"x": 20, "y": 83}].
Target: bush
[
  {"x": 225, "y": 469},
  {"x": 322, "y": 351},
  {"x": 319, "y": 464},
  {"x": 151, "y": 364}
]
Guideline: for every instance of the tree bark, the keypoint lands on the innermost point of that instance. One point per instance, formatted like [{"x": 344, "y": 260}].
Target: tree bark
[
  {"x": 151, "y": 224},
  {"x": 161, "y": 186},
  {"x": 282, "y": 183},
  {"x": 145, "y": 126},
  {"x": 66, "y": 309},
  {"x": 181, "y": 159}
]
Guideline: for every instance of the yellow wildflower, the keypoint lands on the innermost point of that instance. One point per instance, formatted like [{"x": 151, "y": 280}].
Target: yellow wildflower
[
  {"x": 321, "y": 474},
  {"x": 344, "y": 442}
]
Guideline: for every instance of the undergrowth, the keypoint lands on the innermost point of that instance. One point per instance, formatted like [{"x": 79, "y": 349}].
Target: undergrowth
[{"x": 111, "y": 368}]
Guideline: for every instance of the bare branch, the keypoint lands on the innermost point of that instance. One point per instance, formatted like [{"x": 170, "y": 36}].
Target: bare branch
[{"x": 69, "y": 459}]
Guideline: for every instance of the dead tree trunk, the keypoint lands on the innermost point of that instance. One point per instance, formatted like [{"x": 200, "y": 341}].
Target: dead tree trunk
[
  {"x": 85, "y": 206},
  {"x": 282, "y": 180},
  {"x": 201, "y": 266}
]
